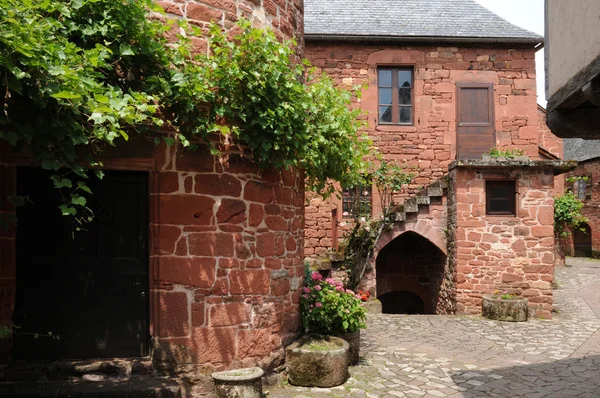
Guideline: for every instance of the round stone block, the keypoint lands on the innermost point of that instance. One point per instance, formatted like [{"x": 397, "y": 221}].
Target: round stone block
[
  {"x": 505, "y": 310},
  {"x": 317, "y": 361},
  {"x": 353, "y": 340},
  {"x": 239, "y": 383}
]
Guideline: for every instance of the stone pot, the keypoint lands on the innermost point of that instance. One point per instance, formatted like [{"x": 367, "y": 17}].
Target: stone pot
[
  {"x": 353, "y": 340},
  {"x": 373, "y": 306},
  {"x": 317, "y": 361},
  {"x": 515, "y": 310},
  {"x": 239, "y": 383}
]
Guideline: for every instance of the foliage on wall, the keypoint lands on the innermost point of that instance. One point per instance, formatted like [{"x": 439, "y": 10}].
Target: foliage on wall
[{"x": 76, "y": 75}]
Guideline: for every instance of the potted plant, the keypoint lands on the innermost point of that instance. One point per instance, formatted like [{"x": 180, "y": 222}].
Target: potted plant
[
  {"x": 505, "y": 307},
  {"x": 330, "y": 309}
]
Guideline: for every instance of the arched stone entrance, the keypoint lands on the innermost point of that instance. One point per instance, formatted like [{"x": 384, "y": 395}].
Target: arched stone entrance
[
  {"x": 410, "y": 273},
  {"x": 582, "y": 241}
]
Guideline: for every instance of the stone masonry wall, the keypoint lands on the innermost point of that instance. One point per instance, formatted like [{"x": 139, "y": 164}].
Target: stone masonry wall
[
  {"x": 591, "y": 207},
  {"x": 505, "y": 253},
  {"x": 429, "y": 145}
]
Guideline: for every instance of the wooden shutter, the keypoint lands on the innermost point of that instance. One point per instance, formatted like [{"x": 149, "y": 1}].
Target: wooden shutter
[{"x": 474, "y": 120}]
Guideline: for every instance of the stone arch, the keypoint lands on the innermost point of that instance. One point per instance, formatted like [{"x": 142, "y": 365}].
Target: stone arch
[
  {"x": 433, "y": 233},
  {"x": 411, "y": 263}
]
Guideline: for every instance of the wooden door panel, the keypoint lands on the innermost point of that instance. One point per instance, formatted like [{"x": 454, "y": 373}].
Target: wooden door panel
[
  {"x": 81, "y": 288},
  {"x": 474, "y": 120}
]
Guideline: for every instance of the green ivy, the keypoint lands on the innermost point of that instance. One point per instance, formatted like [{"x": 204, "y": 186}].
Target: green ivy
[
  {"x": 77, "y": 75},
  {"x": 567, "y": 214}
]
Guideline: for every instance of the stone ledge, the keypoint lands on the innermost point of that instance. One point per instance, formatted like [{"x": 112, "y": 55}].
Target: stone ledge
[{"x": 558, "y": 166}]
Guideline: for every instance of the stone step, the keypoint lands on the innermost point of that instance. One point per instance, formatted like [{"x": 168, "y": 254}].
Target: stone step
[
  {"x": 400, "y": 216},
  {"x": 411, "y": 206},
  {"x": 422, "y": 200},
  {"x": 435, "y": 191},
  {"x": 132, "y": 388}
]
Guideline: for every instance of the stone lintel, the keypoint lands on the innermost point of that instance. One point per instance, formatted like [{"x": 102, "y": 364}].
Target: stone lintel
[{"x": 558, "y": 166}]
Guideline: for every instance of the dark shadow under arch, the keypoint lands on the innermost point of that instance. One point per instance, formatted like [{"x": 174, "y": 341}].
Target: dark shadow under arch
[{"x": 410, "y": 268}]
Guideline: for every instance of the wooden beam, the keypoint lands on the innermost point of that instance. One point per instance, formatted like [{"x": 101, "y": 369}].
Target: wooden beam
[
  {"x": 591, "y": 90},
  {"x": 569, "y": 95},
  {"x": 575, "y": 122}
]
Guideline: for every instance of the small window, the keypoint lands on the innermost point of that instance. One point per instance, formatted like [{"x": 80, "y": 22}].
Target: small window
[
  {"x": 357, "y": 201},
  {"x": 395, "y": 87},
  {"x": 500, "y": 198},
  {"x": 583, "y": 188}
]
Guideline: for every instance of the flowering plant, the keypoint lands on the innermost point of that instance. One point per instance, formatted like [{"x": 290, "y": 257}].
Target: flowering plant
[
  {"x": 364, "y": 296},
  {"x": 328, "y": 308}
]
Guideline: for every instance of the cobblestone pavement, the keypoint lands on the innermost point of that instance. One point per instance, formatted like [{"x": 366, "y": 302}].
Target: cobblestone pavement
[{"x": 459, "y": 356}]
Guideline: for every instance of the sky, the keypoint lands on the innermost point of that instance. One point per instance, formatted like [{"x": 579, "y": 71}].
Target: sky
[{"x": 528, "y": 14}]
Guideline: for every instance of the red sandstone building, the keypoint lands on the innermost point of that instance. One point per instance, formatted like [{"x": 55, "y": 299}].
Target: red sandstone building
[
  {"x": 586, "y": 241},
  {"x": 444, "y": 81},
  {"x": 192, "y": 262}
]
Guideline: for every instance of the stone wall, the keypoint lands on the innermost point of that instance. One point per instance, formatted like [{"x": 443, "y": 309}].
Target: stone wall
[
  {"x": 429, "y": 146},
  {"x": 591, "y": 208},
  {"x": 505, "y": 253},
  {"x": 226, "y": 239}
]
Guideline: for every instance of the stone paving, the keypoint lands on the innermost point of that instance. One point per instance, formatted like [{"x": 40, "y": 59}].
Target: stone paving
[{"x": 459, "y": 356}]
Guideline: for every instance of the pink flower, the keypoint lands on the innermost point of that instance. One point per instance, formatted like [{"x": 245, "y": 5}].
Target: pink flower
[
  {"x": 305, "y": 296},
  {"x": 317, "y": 288},
  {"x": 311, "y": 306},
  {"x": 306, "y": 289},
  {"x": 339, "y": 289},
  {"x": 357, "y": 296},
  {"x": 316, "y": 276},
  {"x": 331, "y": 281},
  {"x": 319, "y": 305},
  {"x": 349, "y": 291}
]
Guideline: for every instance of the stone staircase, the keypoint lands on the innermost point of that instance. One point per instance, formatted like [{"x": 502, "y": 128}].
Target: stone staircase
[
  {"x": 98, "y": 378},
  {"x": 432, "y": 193}
]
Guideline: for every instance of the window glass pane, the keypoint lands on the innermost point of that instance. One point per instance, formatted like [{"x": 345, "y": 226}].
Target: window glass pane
[
  {"x": 500, "y": 189},
  {"x": 404, "y": 78},
  {"x": 500, "y": 206},
  {"x": 405, "y": 114},
  {"x": 385, "y": 78},
  {"x": 385, "y": 96},
  {"x": 404, "y": 96},
  {"x": 385, "y": 114}
]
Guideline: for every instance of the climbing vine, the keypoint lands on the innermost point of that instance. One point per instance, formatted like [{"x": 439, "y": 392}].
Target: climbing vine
[
  {"x": 567, "y": 214},
  {"x": 77, "y": 75}
]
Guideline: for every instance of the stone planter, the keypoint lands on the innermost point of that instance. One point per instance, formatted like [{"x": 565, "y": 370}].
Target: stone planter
[
  {"x": 505, "y": 310},
  {"x": 353, "y": 340},
  {"x": 519, "y": 158},
  {"x": 239, "y": 383},
  {"x": 317, "y": 361},
  {"x": 373, "y": 306}
]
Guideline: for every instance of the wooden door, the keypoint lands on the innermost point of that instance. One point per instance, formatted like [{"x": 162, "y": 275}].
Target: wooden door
[
  {"x": 582, "y": 241},
  {"x": 90, "y": 288},
  {"x": 474, "y": 120}
]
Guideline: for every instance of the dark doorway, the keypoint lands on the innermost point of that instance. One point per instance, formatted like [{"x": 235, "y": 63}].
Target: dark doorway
[
  {"x": 91, "y": 287},
  {"x": 475, "y": 125},
  {"x": 410, "y": 272},
  {"x": 582, "y": 241},
  {"x": 401, "y": 303}
]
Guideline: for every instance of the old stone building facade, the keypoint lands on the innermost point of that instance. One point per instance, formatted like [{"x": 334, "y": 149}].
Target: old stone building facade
[
  {"x": 209, "y": 250},
  {"x": 584, "y": 182},
  {"x": 460, "y": 94}
]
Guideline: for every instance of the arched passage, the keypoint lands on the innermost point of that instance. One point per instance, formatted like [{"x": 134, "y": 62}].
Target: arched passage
[
  {"x": 582, "y": 241},
  {"x": 410, "y": 271}
]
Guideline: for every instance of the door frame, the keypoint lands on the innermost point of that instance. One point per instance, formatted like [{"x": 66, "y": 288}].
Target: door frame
[{"x": 491, "y": 111}]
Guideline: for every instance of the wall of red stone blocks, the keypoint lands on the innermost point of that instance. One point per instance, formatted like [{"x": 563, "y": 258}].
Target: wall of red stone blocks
[
  {"x": 591, "y": 208},
  {"x": 226, "y": 259},
  {"x": 513, "y": 254},
  {"x": 429, "y": 146}
]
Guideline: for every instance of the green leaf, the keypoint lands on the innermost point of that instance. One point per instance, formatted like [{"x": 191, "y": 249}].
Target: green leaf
[
  {"x": 60, "y": 182},
  {"x": 66, "y": 95},
  {"x": 125, "y": 50},
  {"x": 67, "y": 210},
  {"x": 78, "y": 200}
]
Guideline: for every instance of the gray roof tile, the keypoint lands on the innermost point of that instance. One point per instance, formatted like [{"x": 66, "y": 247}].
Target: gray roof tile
[
  {"x": 580, "y": 149},
  {"x": 409, "y": 18}
]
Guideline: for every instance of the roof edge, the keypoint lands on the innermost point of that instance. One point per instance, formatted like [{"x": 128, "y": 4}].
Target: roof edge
[{"x": 425, "y": 39}]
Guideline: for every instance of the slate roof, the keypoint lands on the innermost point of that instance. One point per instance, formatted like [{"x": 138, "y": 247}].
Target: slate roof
[
  {"x": 416, "y": 19},
  {"x": 580, "y": 149}
]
